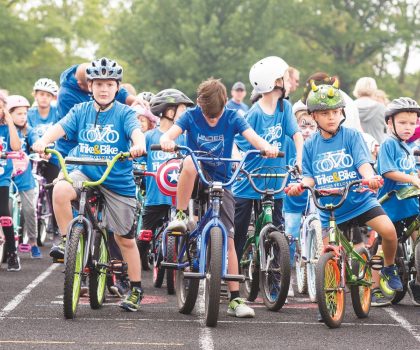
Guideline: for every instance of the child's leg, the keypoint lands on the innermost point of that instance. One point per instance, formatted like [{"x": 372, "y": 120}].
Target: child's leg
[
  {"x": 29, "y": 214},
  {"x": 292, "y": 228},
  {"x": 63, "y": 194},
  {"x": 385, "y": 228},
  {"x": 243, "y": 210},
  {"x": 131, "y": 256},
  {"x": 233, "y": 267},
  {"x": 185, "y": 184},
  {"x": 5, "y": 211}
]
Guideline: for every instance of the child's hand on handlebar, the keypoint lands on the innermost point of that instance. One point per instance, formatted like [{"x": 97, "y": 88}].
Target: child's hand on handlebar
[
  {"x": 374, "y": 183},
  {"x": 294, "y": 189},
  {"x": 415, "y": 181},
  {"x": 271, "y": 151},
  {"x": 39, "y": 147},
  {"x": 167, "y": 145}
]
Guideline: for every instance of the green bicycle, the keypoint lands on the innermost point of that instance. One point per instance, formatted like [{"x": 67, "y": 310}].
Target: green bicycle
[{"x": 87, "y": 252}]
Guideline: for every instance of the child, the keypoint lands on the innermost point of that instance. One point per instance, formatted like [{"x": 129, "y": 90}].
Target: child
[
  {"x": 25, "y": 182},
  {"x": 168, "y": 104},
  {"x": 349, "y": 160},
  {"x": 41, "y": 118},
  {"x": 146, "y": 118},
  {"x": 398, "y": 167},
  {"x": 272, "y": 119},
  {"x": 211, "y": 128},
  {"x": 100, "y": 117},
  {"x": 9, "y": 141}
]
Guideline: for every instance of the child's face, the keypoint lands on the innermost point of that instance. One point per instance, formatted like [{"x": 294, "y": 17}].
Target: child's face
[
  {"x": 328, "y": 120},
  {"x": 104, "y": 90},
  {"x": 405, "y": 124},
  {"x": 307, "y": 125},
  {"x": 43, "y": 98},
  {"x": 144, "y": 123},
  {"x": 20, "y": 115}
]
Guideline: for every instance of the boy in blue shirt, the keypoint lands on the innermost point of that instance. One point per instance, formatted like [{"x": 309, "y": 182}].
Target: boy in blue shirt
[
  {"x": 336, "y": 155},
  {"x": 211, "y": 127},
  {"x": 168, "y": 105},
  {"x": 397, "y": 165},
  {"x": 272, "y": 119},
  {"x": 102, "y": 128}
]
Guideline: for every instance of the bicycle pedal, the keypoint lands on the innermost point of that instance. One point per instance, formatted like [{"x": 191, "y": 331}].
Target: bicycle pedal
[
  {"x": 376, "y": 262},
  {"x": 58, "y": 261},
  {"x": 24, "y": 248},
  {"x": 175, "y": 233}
]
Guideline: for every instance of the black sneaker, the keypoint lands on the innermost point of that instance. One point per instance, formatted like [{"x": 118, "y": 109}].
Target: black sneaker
[
  {"x": 57, "y": 251},
  {"x": 13, "y": 262},
  {"x": 414, "y": 291},
  {"x": 120, "y": 288}
]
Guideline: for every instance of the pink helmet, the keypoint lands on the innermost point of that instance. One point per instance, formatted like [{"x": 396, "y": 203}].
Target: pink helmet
[
  {"x": 14, "y": 101},
  {"x": 3, "y": 97},
  {"x": 145, "y": 113}
]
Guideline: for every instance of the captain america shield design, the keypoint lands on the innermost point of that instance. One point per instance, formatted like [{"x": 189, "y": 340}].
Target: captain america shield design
[{"x": 167, "y": 177}]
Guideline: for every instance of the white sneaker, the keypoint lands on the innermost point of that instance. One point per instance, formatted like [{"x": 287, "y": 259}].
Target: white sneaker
[
  {"x": 291, "y": 292},
  {"x": 238, "y": 308}
]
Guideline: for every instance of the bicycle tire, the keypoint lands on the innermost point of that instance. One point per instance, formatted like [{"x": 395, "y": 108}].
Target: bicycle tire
[
  {"x": 274, "y": 288},
  {"x": 186, "y": 289},
  {"x": 171, "y": 256},
  {"x": 404, "y": 276},
  {"x": 2, "y": 249},
  {"x": 316, "y": 247},
  {"x": 213, "y": 276},
  {"x": 331, "y": 302},
  {"x": 98, "y": 275},
  {"x": 361, "y": 295},
  {"x": 417, "y": 257},
  {"x": 73, "y": 270},
  {"x": 144, "y": 248},
  {"x": 158, "y": 271},
  {"x": 301, "y": 271},
  {"x": 251, "y": 271}
]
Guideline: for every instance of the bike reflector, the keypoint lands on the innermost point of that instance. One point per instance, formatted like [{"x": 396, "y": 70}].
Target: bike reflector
[
  {"x": 145, "y": 235},
  {"x": 6, "y": 221},
  {"x": 167, "y": 177}
]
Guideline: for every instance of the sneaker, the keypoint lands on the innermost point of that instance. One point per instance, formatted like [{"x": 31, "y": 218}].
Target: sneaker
[
  {"x": 414, "y": 291},
  {"x": 13, "y": 262},
  {"x": 35, "y": 252},
  {"x": 132, "y": 300},
  {"x": 57, "y": 251},
  {"x": 180, "y": 223},
  {"x": 379, "y": 299},
  {"x": 390, "y": 279},
  {"x": 238, "y": 308},
  {"x": 291, "y": 292},
  {"x": 120, "y": 288}
]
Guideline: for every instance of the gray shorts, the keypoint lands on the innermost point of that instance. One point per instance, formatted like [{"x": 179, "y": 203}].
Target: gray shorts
[
  {"x": 119, "y": 211},
  {"x": 227, "y": 212}
]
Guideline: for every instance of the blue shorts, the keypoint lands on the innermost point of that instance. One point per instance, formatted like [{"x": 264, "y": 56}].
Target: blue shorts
[{"x": 292, "y": 223}]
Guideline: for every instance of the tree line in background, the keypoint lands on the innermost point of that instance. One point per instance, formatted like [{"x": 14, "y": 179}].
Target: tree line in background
[{"x": 178, "y": 43}]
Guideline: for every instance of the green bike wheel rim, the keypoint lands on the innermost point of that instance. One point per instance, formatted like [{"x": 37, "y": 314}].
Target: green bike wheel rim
[
  {"x": 78, "y": 272},
  {"x": 103, "y": 259}
]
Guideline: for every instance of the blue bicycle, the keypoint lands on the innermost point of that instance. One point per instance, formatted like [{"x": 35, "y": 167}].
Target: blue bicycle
[{"x": 202, "y": 253}]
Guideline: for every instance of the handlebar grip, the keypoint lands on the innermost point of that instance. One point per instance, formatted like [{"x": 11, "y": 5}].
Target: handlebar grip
[
  {"x": 156, "y": 147},
  {"x": 365, "y": 182},
  {"x": 280, "y": 154},
  {"x": 289, "y": 187}
]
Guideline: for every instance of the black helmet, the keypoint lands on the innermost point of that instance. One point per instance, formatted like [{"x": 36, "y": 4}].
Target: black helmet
[
  {"x": 401, "y": 104},
  {"x": 168, "y": 98}
]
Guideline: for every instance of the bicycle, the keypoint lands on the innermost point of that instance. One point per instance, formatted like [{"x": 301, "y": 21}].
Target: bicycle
[
  {"x": 266, "y": 259},
  {"x": 87, "y": 251},
  {"x": 408, "y": 251},
  {"x": 202, "y": 253},
  {"x": 341, "y": 265},
  {"x": 309, "y": 249}
]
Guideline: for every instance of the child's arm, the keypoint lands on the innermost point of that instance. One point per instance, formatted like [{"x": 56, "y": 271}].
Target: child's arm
[
  {"x": 298, "y": 140},
  {"x": 15, "y": 143},
  {"x": 53, "y": 134},
  {"x": 259, "y": 143},
  {"x": 139, "y": 143},
  {"x": 399, "y": 176},
  {"x": 167, "y": 140},
  {"x": 367, "y": 173}
]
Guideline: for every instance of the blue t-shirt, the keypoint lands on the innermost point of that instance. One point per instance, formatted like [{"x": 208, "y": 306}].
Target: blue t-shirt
[
  {"x": 111, "y": 136},
  {"x": 293, "y": 204},
  {"x": 40, "y": 124},
  {"x": 217, "y": 140},
  {"x": 333, "y": 163},
  {"x": 393, "y": 157},
  {"x": 241, "y": 108},
  {"x": 154, "y": 159},
  {"x": 71, "y": 94},
  {"x": 273, "y": 129},
  {"x": 6, "y": 166},
  {"x": 25, "y": 181}
]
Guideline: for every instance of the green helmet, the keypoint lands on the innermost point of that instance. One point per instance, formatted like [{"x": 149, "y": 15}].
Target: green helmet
[{"x": 324, "y": 97}]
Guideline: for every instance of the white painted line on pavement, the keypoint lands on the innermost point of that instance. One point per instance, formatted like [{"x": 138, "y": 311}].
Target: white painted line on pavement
[
  {"x": 205, "y": 336},
  {"x": 19, "y": 298},
  {"x": 404, "y": 323}
]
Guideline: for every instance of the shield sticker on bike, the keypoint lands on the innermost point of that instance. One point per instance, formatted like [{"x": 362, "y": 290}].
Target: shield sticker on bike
[{"x": 167, "y": 177}]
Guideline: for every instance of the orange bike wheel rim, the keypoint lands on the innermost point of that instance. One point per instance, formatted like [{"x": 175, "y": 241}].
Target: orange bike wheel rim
[
  {"x": 364, "y": 291},
  {"x": 334, "y": 294}
]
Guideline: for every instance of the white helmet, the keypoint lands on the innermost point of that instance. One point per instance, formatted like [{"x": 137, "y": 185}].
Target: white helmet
[
  {"x": 298, "y": 107},
  {"x": 265, "y": 72},
  {"x": 48, "y": 85}
]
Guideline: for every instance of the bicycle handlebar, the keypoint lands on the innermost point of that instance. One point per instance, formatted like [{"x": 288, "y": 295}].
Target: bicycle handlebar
[
  {"x": 12, "y": 155},
  {"x": 87, "y": 161}
]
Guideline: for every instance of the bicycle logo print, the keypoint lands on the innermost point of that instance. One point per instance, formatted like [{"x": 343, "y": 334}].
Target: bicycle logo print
[
  {"x": 273, "y": 133},
  {"x": 407, "y": 163},
  {"x": 99, "y": 134},
  {"x": 333, "y": 160}
]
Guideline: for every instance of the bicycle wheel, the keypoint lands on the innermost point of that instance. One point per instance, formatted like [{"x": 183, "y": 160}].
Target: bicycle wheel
[
  {"x": 331, "y": 296},
  {"x": 301, "y": 272},
  {"x": 171, "y": 256},
  {"x": 361, "y": 295},
  {"x": 144, "y": 248},
  {"x": 73, "y": 270},
  {"x": 403, "y": 273},
  {"x": 315, "y": 251},
  {"x": 275, "y": 278},
  {"x": 186, "y": 288},
  {"x": 43, "y": 222},
  {"x": 158, "y": 271},
  {"x": 417, "y": 257},
  {"x": 97, "y": 274},
  {"x": 2, "y": 247},
  {"x": 213, "y": 276},
  {"x": 251, "y": 271}
]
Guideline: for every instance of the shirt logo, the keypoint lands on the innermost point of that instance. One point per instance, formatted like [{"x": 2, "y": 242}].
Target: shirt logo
[
  {"x": 99, "y": 134},
  {"x": 273, "y": 134},
  {"x": 333, "y": 160},
  {"x": 407, "y": 163}
]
